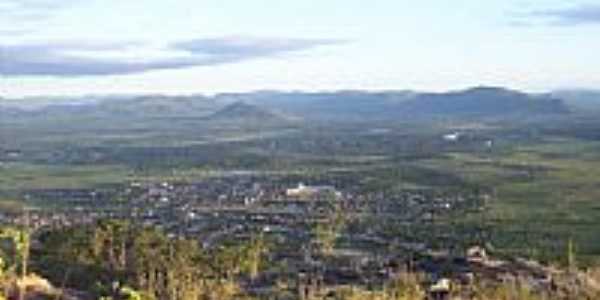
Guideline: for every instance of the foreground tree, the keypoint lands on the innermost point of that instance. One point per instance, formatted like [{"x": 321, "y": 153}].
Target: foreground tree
[{"x": 116, "y": 253}]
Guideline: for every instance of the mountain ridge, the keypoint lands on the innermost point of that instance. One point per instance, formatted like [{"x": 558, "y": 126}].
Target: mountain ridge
[{"x": 481, "y": 101}]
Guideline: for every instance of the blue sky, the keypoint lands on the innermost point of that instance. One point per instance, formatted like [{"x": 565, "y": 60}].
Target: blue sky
[{"x": 59, "y": 47}]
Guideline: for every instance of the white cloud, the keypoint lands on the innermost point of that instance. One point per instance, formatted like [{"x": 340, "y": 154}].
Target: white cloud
[
  {"x": 20, "y": 17},
  {"x": 586, "y": 14},
  {"x": 84, "y": 59}
]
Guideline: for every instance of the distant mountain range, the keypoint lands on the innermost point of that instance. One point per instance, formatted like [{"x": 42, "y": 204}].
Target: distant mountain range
[
  {"x": 486, "y": 102},
  {"x": 482, "y": 102}
]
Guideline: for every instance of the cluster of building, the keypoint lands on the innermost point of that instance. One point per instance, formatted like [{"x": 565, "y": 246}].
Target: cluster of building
[{"x": 369, "y": 251}]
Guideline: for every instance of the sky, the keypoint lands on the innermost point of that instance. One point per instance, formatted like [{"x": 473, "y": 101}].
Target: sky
[{"x": 77, "y": 47}]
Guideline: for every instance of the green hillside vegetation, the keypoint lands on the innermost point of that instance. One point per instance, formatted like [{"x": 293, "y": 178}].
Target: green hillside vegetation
[
  {"x": 547, "y": 194},
  {"x": 116, "y": 260}
]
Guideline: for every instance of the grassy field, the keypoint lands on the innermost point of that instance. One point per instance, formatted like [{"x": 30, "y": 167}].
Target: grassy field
[
  {"x": 24, "y": 176},
  {"x": 545, "y": 195}
]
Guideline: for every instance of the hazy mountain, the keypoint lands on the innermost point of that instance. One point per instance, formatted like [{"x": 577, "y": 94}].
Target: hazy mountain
[
  {"x": 160, "y": 106},
  {"x": 483, "y": 101},
  {"x": 9, "y": 111},
  {"x": 477, "y": 102},
  {"x": 343, "y": 105},
  {"x": 580, "y": 99},
  {"x": 244, "y": 112}
]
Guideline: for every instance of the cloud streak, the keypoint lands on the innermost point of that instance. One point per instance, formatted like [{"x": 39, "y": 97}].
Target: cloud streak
[
  {"x": 76, "y": 59},
  {"x": 571, "y": 16},
  {"x": 21, "y": 17},
  {"x": 32, "y": 8}
]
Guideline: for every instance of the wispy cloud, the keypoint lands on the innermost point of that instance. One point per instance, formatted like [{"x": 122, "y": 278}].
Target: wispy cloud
[
  {"x": 84, "y": 59},
  {"x": 588, "y": 14},
  {"x": 24, "y": 9},
  {"x": 20, "y": 17}
]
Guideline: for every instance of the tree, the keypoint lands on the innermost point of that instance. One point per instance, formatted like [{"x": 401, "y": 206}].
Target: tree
[
  {"x": 571, "y": 256},
  {"x": 20, "y": 240},
  {"x": 110, "y": 243},
  {"x": 327, "y": 231},
  {"x": 152, "y": 264},
  {"x": 253, "y": 254}
]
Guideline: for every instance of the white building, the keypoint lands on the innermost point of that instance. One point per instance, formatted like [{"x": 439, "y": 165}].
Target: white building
[
  {"x": 307, "y": 191},
  {"x": 452, "y": 137}
]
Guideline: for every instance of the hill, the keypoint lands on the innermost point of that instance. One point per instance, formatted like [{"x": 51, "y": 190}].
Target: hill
[
  {"x": 483, "y": 101},
  {"x": 244, "y": 112}
]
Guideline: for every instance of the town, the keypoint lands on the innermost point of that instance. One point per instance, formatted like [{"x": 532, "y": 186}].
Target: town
[{"x": 323, "y": 234}]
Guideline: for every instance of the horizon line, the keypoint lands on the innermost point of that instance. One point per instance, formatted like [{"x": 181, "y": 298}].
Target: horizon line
[{"x": 305, "y": 91}]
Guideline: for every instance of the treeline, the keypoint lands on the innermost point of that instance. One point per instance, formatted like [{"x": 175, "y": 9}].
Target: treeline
[
  {"x": 113, "y": 256},
  {"x": 115, "y": 260}
]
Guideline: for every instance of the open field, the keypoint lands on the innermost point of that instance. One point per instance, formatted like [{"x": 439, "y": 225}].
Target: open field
[
  {"x": 545, "y": 195},
  {"x": 22, "y": 176}
]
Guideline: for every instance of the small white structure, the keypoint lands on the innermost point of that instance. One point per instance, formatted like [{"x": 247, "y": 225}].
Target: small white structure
[
  {"x": 307, "y": 191},
  {"x": 452, "y": 137},
  {"x": 476, "y": 254},
  {"x": 443, "y": 285}
]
